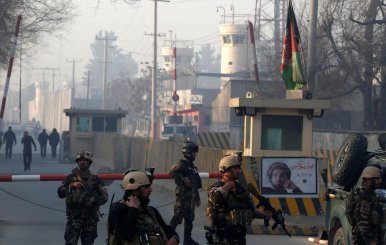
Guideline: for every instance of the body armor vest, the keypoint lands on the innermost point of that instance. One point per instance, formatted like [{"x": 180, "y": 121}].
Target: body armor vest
[{"x": 149, "y": 231}]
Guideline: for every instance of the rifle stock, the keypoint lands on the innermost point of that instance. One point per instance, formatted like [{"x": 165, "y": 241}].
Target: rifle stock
[{"x": 277, "y": 215}]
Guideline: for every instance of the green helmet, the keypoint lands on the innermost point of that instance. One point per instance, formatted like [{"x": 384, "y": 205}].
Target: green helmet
[
  {"x": 371, "y": 172},
  {"x": 84, "y": 154},
  {"x": 189, "y": 147},
  {"x": 229, "y": 161}
]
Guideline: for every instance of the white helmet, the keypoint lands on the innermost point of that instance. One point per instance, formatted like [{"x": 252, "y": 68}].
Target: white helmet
[
  {"x": 229, "y": 161},
  {"x": 135, "y": 179}
]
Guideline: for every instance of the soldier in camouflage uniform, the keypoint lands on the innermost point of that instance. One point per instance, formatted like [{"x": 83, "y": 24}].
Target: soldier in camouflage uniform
[
  {"x": 84, "y": 193},
  {"x": 132, "y": 221},
  {"x": 230, "y": 207},
  {"x": 188, "y": 182},
  {"x": 363, "y": 211}
]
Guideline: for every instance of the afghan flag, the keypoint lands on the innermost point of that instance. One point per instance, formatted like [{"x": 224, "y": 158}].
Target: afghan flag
[{"x": 291, "y": 67}]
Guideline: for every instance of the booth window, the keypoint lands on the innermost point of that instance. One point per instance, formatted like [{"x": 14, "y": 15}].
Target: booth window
[
  {"x": 98, "y": 124},
  {"x": 111, "y": 124},
  {"x": 82, "y": 124},
  {"x": 282, "y": 132}
]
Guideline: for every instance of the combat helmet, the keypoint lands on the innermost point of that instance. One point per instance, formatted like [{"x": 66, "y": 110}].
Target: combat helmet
[
  {"x": 230, "y": 161},
  {"x": 134, "y": 179},
  {"x": 189, "y": 147},
  {"x": 84, "y": 154},
  {"x": 371, "y": 172},
  {"x": 382, "y": 141}
]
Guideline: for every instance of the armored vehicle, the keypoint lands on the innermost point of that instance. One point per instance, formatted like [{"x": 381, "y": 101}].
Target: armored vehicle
[{"x": 352, "y": 158}]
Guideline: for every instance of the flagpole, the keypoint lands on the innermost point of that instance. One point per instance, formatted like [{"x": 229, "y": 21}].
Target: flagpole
[{"x": 312, "y": 49}]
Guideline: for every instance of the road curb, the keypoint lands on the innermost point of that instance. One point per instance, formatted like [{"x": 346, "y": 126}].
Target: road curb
[{"x": 294, "y": 230}]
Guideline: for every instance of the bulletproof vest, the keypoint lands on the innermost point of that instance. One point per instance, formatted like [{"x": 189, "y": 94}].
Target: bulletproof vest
[
  {"x": 351, "y": 207},
  {"x": 85, "y": 196},
  {"x": 149, "y": 231},
  {"x": 186, "y": 168}
]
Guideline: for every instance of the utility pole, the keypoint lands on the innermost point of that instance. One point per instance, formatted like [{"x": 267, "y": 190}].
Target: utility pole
[
  {"x": 153, "y": 116},
  {"x": 73, "y": 75},
  {"x": 311, "y": 61},
  {"x": 105, "y": 39},
  {"x": 53, "y": 70},
  {"x": 276, "y": 18},
  {"x": 88, "y": 87}
]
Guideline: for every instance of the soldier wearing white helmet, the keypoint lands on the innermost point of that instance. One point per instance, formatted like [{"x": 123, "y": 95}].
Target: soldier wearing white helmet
[
  {"x": 132, "y": 221},
  {"x": 230, "y": 207},
  {"x": 84, "y": 193},
  {"x": 363, "y": 210}
]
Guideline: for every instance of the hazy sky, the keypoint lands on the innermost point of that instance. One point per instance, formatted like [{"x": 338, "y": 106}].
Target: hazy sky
[{"x": 196, "y": 20}]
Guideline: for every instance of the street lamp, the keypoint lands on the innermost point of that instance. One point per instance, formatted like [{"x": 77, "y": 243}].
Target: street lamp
[
  {"x": 221, "y": 7},
  {"x": 233, "y": 13}
]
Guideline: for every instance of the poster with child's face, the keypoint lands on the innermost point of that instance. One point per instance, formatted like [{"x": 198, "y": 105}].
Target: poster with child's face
[{"x": 289, "y": 177}]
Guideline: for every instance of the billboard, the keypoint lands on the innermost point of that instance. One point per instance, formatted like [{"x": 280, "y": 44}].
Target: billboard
[{"x": 289, "y": 177}]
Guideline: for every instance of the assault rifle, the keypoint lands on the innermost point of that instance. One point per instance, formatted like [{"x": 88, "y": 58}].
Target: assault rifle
[
  {"x": 85, "y": 190},
  {"x": 277, "y": 215},
  {"x": 196, "y": 184}
]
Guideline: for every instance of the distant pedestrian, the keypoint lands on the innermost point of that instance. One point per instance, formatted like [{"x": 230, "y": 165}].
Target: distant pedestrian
[
  {"x": 43, "y": 139},
  {"x": 27, "y": 142},
  {"x": 54, "y": 139},
  {"x": 9, "y": 138}
]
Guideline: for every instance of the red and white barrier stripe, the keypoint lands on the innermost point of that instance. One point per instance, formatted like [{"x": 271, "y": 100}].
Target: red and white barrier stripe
[
  {"x": 60, "y": 177},
  {"x": 317, "y": 241}
]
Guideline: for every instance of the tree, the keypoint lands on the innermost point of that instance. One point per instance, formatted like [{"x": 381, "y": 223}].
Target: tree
[
  {"x": 120, "y": 65},
  {"x": 208, "y": 60},
  {"x": 132, "y": 95},
  {"x": 38, "y": 18},
  {"x": 352, "y": 53}
]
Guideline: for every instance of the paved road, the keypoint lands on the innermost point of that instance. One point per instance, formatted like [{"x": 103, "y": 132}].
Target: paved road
[{"x": 31, "y": 213}]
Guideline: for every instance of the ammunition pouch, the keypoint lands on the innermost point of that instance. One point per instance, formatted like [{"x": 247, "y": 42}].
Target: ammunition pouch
[
  {"x": 211, "y": 234},
  {"x": 240, "y": 217}
]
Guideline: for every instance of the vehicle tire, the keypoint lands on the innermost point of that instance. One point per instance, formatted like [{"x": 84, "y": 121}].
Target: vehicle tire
[
  {"x": 348, "y": 164},
  {"x": 338, "y": 237}
]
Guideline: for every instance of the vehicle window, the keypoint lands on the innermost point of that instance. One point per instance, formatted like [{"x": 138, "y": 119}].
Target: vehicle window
[
  {"x": 282, "y": 132},
  {"x": 168, "y": 130}
]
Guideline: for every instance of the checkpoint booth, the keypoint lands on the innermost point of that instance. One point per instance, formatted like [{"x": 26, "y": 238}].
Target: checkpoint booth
[
  {"x": 90, "y": 129},
  {"x": 279, "y": 158}
]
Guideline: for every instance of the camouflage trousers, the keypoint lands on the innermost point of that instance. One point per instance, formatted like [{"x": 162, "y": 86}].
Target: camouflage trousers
[
  {"x": 359, "y": 240},
  {"x": 183, "y": 209},
  {"x": 81, "y": 225},
  {"x": 234, "y": 235}
]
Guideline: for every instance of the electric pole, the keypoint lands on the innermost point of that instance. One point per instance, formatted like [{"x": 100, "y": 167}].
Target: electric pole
[
  {"x": 105, "y": 39},
  {"x": 53, "y": 70},
  {"x": 153, "y": 116},
  {"x": 73, "y": 61}
]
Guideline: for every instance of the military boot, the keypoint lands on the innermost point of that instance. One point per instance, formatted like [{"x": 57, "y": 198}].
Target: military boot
[{"x": 188, "y": 240}]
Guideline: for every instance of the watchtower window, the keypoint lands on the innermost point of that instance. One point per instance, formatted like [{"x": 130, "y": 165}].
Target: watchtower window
[
  {"x": 227, "y": 39},
  {"x": 281, "y": 132},
  {"x": 238, "y": 39}
]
